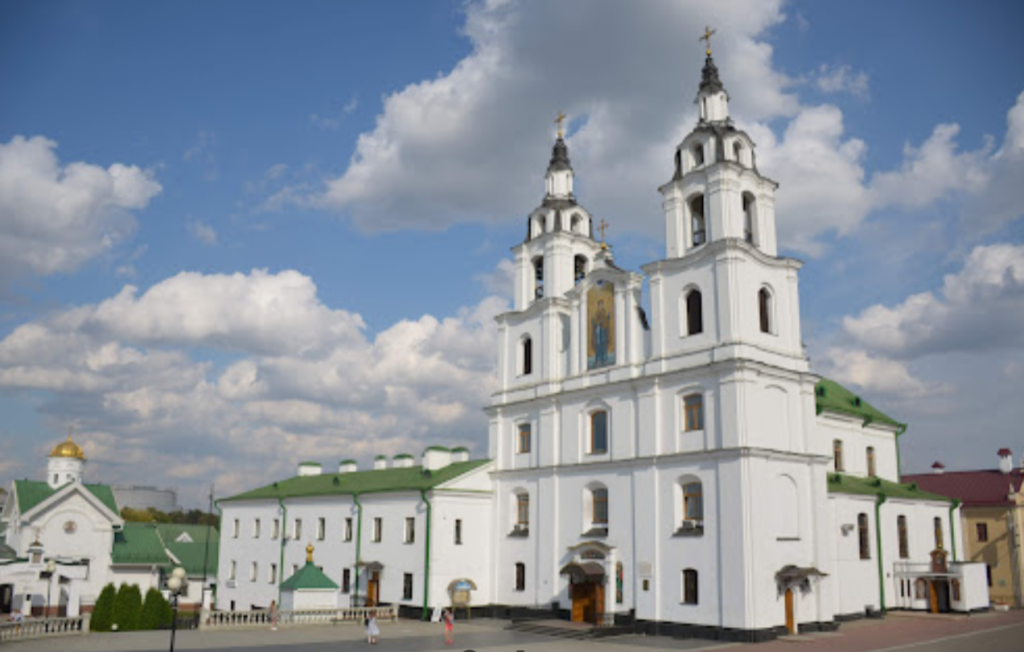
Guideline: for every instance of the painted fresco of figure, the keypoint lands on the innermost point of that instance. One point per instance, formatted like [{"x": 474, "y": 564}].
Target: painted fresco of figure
[{"x": 601, "y": 333}]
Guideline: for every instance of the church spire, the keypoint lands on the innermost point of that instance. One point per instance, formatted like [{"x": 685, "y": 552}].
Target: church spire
[
  {"x": 711, "y": 97},
  {"x": 559, "y": 175}
]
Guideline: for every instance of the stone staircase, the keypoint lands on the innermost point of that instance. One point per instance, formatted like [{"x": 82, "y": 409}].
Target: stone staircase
[{"x": 565, "y": 629}]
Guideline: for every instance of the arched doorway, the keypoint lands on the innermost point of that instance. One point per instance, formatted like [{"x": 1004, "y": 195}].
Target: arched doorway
[{"x": 586, "y": 588}]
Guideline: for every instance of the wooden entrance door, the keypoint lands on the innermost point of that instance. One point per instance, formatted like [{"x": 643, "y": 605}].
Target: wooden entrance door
[
  {"x": 587, "y": 602},
  {"x": 373, "y": 589},
  {"x": 790, "y": 612},
  {"x": 933, "y": 598}
]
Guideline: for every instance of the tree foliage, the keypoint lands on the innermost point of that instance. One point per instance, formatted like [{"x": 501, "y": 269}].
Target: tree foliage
[
  {"x": 179, "y": 517},
  {"x": 127, "y": 607},
  {"x": 156, "y": 611},
  {"x": 102, "y": 613}
]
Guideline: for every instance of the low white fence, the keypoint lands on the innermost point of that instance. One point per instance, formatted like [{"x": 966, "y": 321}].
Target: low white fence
[
  {"x": 295, "y": 617},
  {"x": 43, "y": 628}
]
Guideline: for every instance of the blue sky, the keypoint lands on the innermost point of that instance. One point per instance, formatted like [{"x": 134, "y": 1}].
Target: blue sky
[{"x": 261, "y": 232}]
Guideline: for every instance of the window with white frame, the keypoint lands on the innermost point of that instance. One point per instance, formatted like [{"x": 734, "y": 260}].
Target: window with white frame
[
  {"x": 378, "y": 529},
  {"x": 523, "y": 440},
  {"x": 321, "y": 528},
  {"x": 276, "y": 531},
  {"x": 598, "y": 432},
  {"x": 253, "y": 572},
  {"x": 272, "y": 574},
  {"x": 232, "y": 570},
  {"x": 348, "y": 528},
  {"x": 410, "y": 529},
  {"x": 256, "y": 528},
  {"x": 297, "y": 530},
  {"x": 234, "y": 528},
  {"x": 693, "y": 412}
]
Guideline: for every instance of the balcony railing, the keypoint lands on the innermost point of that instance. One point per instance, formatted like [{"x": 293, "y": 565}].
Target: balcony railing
[
  {"x": 294, "y": 617},
  {"x": 43, "y": 628}
]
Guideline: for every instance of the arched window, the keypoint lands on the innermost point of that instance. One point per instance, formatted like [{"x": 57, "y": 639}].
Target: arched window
[
  {"x": 862, "y": 536},
  {"x": 871, "y": 461},
  {"x": 600, "y": 507},
  {"x": 538, "y": 272},
  {"x": 698, "y": 155},
  {"x": 921, "y": 589},
  {"x": 576, "y": 223},
  {"x": 748, "y": 217},
  {"x": 579, "y": 268},
  {"x": 599, "y": 431},
  {"x": 689, "y": 586},
  {"x": 693, "y": 412},
  {"x": 737, "y": 151},
  {"x": 527, "y": 356},
  {"x": 679, "y": 163},
  {"x": 522, "y": 509},
  {"x": 694, "y": 313},
  {"x": 693, "y": 502},
  {"x": 520, "y": 576},
  {"x": 837, "y": 455},
  {"x": 697, "y": 220},
  {"x": 764, "y": 306},
  {"x": 938, "y": 531},
  {"x": 901, "y": 529}
]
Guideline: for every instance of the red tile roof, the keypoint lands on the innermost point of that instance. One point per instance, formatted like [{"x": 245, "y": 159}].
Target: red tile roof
[{"x": 974, "y": 488}]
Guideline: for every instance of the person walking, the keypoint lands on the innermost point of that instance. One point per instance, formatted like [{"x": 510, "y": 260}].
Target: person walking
[
  {"x": 273, "y": 615},
  {"x": 372, "y": 631},
  {"x": 449, "y": 627}
]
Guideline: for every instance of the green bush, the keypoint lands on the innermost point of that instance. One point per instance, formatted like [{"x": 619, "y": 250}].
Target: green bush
[
  {"x": 127, "y": 607},
  {"x": 156, "y": 611},
  {"x": 103, "y": 612}
]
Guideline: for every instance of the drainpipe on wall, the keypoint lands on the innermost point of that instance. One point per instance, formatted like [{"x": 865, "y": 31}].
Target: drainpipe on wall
[
  {"x": 426, "y": 561},
  {"x": 359, "y": 542},
  {"x": 284, "y": 537},
  {"x": 899, "y": 467},
  {"x": 952, "y": 526},
  {"x": 878, "y": 539}
]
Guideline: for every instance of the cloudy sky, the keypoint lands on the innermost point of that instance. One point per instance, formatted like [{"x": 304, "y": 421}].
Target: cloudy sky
[{"x": 236, "y": 235}]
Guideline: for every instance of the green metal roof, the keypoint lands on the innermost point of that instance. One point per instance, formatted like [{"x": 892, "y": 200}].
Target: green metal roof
[
  {"x": 840, "y": 483},
  {"x": 411, "y": 478},
  {"x": 308, "y": 577},
  {"x": 460, "y": 449},
  {"x": 191, "y": 555},
  {"x": 348, "y": 462},
  {"x": 830, "y": 395},
  {"x": 138, "y": 543},
  {"x": 438, "y": 448},
  {"x": 403, "y": 456},
  {"x": 32, "y": 492}
]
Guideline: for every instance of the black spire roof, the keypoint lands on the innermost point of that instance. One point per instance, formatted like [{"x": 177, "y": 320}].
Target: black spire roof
[
  {"x": 559, "y": 157},
  {"x": 709, "y": 81}
]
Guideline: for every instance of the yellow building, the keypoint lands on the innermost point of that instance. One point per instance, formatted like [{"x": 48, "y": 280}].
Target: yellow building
[{"x": 992, "y": 515}]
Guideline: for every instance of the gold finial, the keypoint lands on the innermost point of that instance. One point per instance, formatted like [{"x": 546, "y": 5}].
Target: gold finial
[
  {"x": 558, "y": 120},
  {"x": 707, "y": 37},
  {"x": 309, "y": 554},
  {"x": 601, "y": 228}
]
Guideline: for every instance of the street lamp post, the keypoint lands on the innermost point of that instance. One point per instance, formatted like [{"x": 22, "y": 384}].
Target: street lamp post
[{"x": 176, "y": 584}]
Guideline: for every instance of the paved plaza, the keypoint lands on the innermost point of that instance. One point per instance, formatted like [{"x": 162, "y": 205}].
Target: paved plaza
[{"x": 912, "y": 632}]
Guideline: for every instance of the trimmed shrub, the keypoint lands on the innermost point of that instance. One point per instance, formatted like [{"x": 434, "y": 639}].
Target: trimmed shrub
[
  {"x": 103, "y": 612},
  {"x": 127, "y": 607},
  {"x": 156, "y": 611}
]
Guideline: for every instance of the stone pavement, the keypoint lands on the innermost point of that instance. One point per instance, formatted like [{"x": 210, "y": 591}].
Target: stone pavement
[{"x": 909, "y": 632}]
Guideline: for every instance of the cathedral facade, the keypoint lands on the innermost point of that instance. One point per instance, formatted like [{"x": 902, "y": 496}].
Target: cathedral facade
[{"x": 683, "y": 471}]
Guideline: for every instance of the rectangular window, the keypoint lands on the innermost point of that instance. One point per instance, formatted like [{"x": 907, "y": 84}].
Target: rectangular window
[
  {"x": 523, "y": 509},
  {"x": 232, "y": 570},
  {"x": 407, "y": 586},
  {"x": 321, "y": 529},
  {"x": 458, "y": 531},
  {"x": 600, "y": 506},
  {"x": 599, "y": 432},
  {"x": 253, "y": 572},
  {"x": 410, "y": 529},
  {"x": 938, "y": 531},
  {"x": 901, "y": 529},
  {"x": 524, "y": 438},
  {"x": 348, "y": 529},
  {"x": 837, "y": 455},
  {"x": 378, "y": 529},
  {"x": 234, "y": 529},
  {"x": 256, "y": 528},
  {"x": 693, "y": 408},
  {"x": 982, "y": 530},
  {"x": 346, "y": 581},
  {"x": 689, "y": 586},
  {"x": 871, "y": 461},
  {"x": 988, "y": 574},
  {"x": 693, "y": 501},
  {"x": 272, "y": 574},
  {"x": 276, "y": 532},
  {"x": 520, "y": 576},
  {"x": 297, "y": 530},
  {"x": 862, "y": 535}
]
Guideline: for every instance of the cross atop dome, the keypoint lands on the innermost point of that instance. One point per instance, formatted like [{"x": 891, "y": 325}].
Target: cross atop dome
[{"x": 711, "y": 97}]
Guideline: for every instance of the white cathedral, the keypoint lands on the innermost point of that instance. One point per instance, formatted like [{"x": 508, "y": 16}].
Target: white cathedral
[{"x": 683, "y": 472}]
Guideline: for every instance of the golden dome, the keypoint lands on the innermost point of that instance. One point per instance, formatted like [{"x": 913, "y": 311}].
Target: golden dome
[{"x": 68, "y": 449}]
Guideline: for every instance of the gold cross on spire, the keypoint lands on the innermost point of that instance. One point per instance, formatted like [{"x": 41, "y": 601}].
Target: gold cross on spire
[
  {"x": 708, "y": 32},
  {"x": 601, "y": 228},
  {"x": 558, "y": 120}
]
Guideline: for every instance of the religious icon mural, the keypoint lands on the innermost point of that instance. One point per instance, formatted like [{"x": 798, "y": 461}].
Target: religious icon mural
[{"x": 601, "y": 325}]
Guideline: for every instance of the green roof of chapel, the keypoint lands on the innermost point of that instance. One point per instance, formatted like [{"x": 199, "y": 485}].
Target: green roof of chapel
[
  {"x": 833, "y": 397},
  {"x": 841, "y": 483},
  {"x": 308, "y": 577},
  {"x": 32, "y": 492},
  {"x": 411, "y": 478}
]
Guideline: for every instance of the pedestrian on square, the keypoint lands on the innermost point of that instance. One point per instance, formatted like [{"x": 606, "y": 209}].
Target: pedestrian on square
[
  {"x": 273, "y": 615},
  {"x": 449, "y": 627},
  {"x": 372, "y": 631}
]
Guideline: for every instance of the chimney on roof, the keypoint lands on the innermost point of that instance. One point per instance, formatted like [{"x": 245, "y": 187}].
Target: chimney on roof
[
  {"x": 938, "y": 468},
  {"x": 348, "y": 466},
  {"x": 1005, "y": 461},
  {"x": 436, "y": 457},
  {"x": 309, "y": 468},
  {"x": 380, "y": 462}
]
